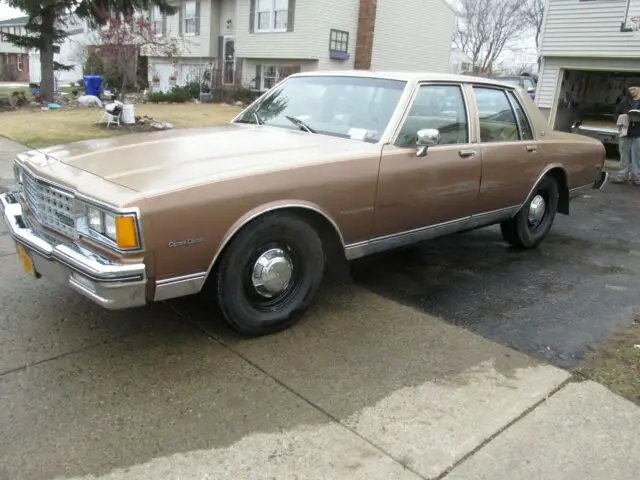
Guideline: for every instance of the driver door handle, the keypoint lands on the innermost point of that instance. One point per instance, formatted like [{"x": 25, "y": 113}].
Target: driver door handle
[
  {"x": 531, "y": 148},
  {"x": 467, "y": 153}
]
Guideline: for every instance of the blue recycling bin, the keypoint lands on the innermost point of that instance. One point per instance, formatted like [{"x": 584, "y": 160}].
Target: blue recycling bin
[{"x": 93, "y": 85}]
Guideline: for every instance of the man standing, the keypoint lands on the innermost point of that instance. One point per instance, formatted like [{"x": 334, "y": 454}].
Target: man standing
[{"x": 628, "y": 121}]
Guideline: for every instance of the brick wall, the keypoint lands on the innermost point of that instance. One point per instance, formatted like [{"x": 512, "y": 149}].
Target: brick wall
[
  {"x": 14, "y": 67},
  {"x": 364, "y": 39}
]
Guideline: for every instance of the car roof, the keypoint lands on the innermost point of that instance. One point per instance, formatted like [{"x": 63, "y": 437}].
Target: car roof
[{"x": 406, "y": 76}]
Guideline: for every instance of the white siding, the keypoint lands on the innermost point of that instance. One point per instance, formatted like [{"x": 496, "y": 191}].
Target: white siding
[
  {"x": 341, "y": 15},
  {"x": 413, "y": 35},
  {"x": 199, "y": 45},
  {"x": 589, "y": 28},
  {"x": 298, "y": 44}
]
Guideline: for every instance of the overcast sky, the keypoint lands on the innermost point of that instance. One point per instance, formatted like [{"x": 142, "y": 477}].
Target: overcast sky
[{"x": 7, "y": 12}]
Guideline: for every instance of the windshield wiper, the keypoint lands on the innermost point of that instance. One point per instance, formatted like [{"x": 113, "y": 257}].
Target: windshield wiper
[
  {"x": 300, "y": 124},
  {"x": 257, "y": 118}
]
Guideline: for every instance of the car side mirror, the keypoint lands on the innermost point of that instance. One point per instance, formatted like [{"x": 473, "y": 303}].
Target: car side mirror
[{"x": 427, "y": 137}]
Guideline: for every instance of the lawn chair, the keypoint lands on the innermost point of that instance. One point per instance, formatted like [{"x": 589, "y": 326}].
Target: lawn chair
[{"x": 112, "y": 114}]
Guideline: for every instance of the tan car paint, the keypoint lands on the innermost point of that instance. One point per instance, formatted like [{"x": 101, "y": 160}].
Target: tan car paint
[{"x": 203, "y": 184}]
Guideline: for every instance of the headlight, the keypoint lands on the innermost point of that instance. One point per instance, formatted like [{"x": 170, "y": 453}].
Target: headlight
[{"x": 119, "y": 229}]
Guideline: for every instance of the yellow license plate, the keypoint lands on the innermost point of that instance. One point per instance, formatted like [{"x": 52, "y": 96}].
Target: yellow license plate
[{"x": 25, "y": 260}]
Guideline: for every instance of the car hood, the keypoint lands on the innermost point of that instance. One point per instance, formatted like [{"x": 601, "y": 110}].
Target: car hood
[{"x": 148, "y": 163}]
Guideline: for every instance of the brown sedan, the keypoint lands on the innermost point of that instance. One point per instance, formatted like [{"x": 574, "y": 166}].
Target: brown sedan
[{"x": 322, "y": 169}]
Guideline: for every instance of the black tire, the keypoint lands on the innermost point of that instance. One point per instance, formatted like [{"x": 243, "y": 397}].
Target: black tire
[
  {"x": 244, "y": 308},
  {"x": 519, "y": 231}
]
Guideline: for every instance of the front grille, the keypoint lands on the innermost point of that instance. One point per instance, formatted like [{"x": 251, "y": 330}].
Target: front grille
[{"x": 52, "y": 207}]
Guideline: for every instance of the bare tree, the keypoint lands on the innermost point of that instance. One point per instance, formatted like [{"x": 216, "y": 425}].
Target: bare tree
[
  {"x": 534, "y": 14},
  {"x": 485, "y": 27},
  {"x": 125, "y": 38}
]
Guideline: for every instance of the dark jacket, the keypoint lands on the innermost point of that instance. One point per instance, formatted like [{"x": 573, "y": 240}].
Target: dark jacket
[{"x": 626, "y": 104}]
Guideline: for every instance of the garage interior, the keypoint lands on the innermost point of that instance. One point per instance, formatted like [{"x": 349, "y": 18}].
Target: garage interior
[{"x": 592, "y": 94}]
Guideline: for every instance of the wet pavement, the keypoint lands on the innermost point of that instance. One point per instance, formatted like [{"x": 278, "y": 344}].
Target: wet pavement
[
  {"x": 363, "y": 388},
  {"x": 554, "y": 303}
]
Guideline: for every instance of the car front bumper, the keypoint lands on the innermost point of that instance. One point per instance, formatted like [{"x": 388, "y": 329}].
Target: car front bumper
[{"x": 112, "y": 285}]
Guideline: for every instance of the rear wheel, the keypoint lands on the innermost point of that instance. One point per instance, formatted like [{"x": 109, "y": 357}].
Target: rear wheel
[
  {"x": 534, "y": 220},
  {"x": 270, "y": 274}
]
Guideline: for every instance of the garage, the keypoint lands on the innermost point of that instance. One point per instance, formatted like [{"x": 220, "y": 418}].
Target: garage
[{"x": 581, "y": 95}]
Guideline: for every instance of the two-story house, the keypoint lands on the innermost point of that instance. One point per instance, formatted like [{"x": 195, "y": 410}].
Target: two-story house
[
  {"x": 256, "y": 43},
  {"x": 14, "y": 61},
  {"x": 18, "y": 64},
  {"x": 589, "y": 48}
]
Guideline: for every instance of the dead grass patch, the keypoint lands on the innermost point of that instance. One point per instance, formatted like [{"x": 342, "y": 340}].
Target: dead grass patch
[
  {"x": 616, "y": 364},
  {"x": 37, "y": 128}
]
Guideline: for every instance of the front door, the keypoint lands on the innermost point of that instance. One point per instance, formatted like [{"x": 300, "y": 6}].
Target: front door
[{"x": 439, "y": 188}]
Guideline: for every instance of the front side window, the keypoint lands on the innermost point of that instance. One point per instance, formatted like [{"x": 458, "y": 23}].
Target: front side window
[
  {"x": 272, "y": 15},
  {"x": 439, "y": 107},
  {"x": 189, "y": 17},
  {"x": 358, "y": 108},
  {"x": 497, "y": 119}
]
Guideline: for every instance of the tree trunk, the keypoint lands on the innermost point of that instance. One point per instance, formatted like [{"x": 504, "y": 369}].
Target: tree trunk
[{"x": 46, "y": 55}]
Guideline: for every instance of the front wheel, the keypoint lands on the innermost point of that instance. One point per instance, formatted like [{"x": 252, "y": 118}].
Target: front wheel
[
  {"x": 534, "y": 220},
  {"x": 270, "y": 274}
]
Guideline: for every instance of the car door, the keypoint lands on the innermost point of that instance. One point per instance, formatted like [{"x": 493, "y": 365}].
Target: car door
[
  {"x": 439, "y": 188},
  {"x": 509, "y": 151}
]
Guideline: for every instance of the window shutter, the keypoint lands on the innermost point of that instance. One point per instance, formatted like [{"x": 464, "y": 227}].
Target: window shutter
[
  {"x": 291, "y": 15},
  {"x": 258, "y": 77},
  {"x": 180, "y": 16},
  {"x": 198, "y": 17},
  {"x": 220, "y": 51},
  {"x": 252, "y": 16},
  {"x": 164, "y": 25}
]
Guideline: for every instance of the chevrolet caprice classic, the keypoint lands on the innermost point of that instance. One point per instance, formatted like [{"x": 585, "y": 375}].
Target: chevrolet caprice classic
[{"x": 322, "y": 169}]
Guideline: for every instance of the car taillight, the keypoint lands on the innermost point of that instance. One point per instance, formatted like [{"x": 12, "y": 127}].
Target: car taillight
[{"x": 577, "y": 124}]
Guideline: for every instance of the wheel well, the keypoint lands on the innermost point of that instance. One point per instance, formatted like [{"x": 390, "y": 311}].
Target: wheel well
[
  {"x": 560, "y": 176},
  {"x": 331, "y": 240}
]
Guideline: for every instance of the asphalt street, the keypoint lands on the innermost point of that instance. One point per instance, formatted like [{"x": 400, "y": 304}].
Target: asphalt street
[{"x": 554, "y": 303}]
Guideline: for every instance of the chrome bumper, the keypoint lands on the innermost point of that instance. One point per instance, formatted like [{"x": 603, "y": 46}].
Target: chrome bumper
[
  {"x": 602, "y": 181},
  {"x": 112, "y": 285}
]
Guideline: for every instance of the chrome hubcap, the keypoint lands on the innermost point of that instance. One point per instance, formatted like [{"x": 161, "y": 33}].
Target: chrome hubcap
[
  {"x": 536, "y": 210},
  {"x": 272, "y": 272}
]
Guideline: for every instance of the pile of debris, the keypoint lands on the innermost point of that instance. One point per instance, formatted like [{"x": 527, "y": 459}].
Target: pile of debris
[{"x": 153, "y": 123}]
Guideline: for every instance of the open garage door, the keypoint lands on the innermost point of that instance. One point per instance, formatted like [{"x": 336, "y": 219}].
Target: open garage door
[{"x": 586, "y": 104}]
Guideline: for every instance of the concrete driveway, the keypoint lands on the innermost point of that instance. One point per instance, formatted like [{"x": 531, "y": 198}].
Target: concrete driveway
[{"x": 363, "y": 388}]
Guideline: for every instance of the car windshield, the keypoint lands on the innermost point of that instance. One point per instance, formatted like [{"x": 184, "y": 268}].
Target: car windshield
[{"x": 342, "y": 106}]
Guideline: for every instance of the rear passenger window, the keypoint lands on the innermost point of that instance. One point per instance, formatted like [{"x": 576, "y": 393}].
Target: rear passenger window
[
  {"x": 497, "y": 120},
  {"x": 523, "y": 121},
  {"x": 436, "y": 106}
]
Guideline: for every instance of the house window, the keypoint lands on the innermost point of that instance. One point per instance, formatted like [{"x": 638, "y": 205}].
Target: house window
[
  {"x": 272, "y": 74},
  {"x": 272, "y": 15},
  {"x": 189, "y": 18},
  {"x": 157, "y": 21},
  {"x": 338, "y": 41}
]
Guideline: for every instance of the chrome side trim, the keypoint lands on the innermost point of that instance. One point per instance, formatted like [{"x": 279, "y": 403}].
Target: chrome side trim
[
  {"x": 546, "y": 170},
  {"x": 402, "y": 239},
  {"x": 255, "y": 215},
  {"x": 494, "y": 216},
  {"x": 577, "y": 191},
  {"x": 181, "y": 286},
  {"x": 388, "y": 242}
]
